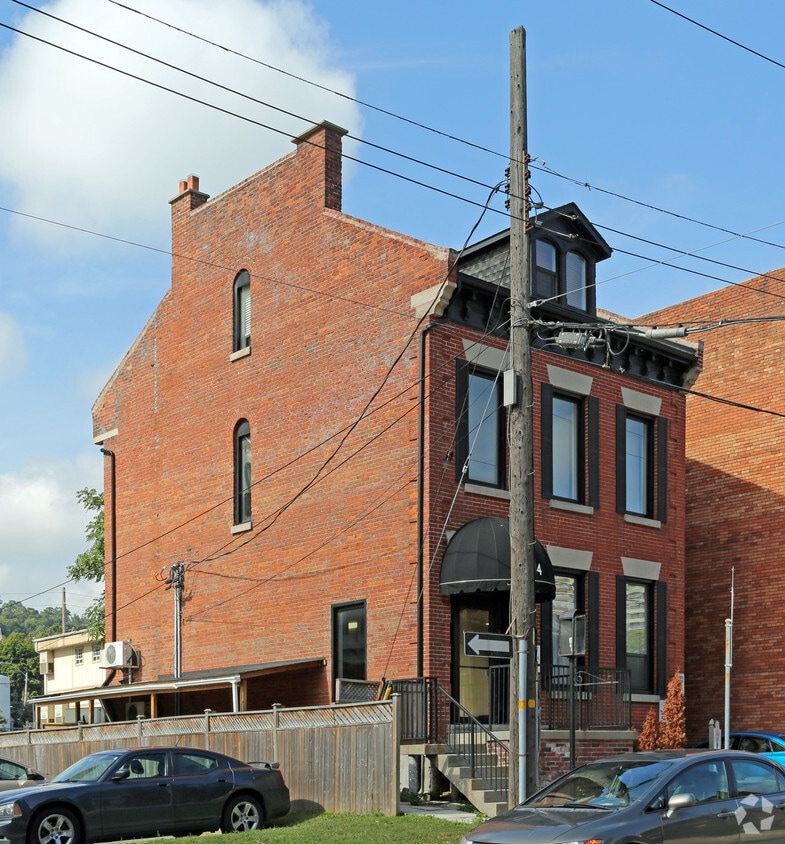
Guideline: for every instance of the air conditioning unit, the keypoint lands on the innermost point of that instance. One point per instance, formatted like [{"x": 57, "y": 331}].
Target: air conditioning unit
[
  {"x": 118, "y": 654},
  {"x": 47, "y": 665}
]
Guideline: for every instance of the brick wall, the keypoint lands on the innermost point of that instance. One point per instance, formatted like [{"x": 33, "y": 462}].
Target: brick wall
[
  {"x": 735, "y": 495},
  {"x": 330, "y": 390},
  {"x": 330, "y": 312}
]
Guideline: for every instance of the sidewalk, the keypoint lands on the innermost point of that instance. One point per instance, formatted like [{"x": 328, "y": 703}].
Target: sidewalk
[{"x": 441, "y": 809}]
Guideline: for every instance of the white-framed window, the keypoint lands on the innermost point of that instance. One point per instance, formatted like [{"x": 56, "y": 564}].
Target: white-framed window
[{"x": 79, "y": 656}]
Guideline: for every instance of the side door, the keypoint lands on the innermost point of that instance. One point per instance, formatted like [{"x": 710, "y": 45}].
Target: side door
[
  {"x": 141, "y": 803},
  {"x": 712, "y": 817},
  {"x": 760, "y": 786},
  {"x": 201, "y": 784}
]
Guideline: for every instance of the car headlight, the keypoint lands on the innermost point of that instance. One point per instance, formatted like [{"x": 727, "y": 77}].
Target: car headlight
[{"x": 8, "y": 811}]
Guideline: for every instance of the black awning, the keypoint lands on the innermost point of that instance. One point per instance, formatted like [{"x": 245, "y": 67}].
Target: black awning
[{"x": 477, "y": 559}]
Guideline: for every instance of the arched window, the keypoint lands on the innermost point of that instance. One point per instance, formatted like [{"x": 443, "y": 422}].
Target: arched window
[
  {"x": 242, "y": 472},
  {"x": 242, "y": 311}
]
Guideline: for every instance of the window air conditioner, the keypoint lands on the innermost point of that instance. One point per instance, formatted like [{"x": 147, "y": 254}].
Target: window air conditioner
[{"x": 118, "y": 654}]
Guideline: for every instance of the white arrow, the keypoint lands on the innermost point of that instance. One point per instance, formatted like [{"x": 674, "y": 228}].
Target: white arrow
[{"x": 477, "y": 644}]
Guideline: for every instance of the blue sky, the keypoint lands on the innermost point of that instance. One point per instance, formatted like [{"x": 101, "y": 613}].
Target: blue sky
[{"x": 625, "y": 99}]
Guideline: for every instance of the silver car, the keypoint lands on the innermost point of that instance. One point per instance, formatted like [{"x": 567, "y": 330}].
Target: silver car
[{"x": 656, "y": 797}]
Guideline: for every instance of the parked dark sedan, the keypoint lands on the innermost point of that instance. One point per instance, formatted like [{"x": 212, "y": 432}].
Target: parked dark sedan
[
  {"x": 658, "y": 797},
  {"x": 146, "y": 792}
]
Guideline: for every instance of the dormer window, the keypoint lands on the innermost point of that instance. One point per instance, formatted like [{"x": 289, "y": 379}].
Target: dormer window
[
  {"x": 575, "y": 272},
  {"x": 563, "y": 276}
]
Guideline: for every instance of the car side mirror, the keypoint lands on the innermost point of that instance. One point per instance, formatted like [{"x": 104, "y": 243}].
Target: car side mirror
[
  {"x": 679, "y": 801},
  {"x": 35, "y": 776},
  {"x": 121, "y": 774}
]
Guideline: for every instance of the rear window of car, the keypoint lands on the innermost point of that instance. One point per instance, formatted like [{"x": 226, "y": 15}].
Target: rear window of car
[{"x": 189, "y": 764}]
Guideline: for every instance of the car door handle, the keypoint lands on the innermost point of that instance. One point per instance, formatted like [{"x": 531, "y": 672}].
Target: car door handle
[
  {"x": 780, "y": 806},
  {"x": 725, "y": 814},
  {"x": 164, "y": 784}
]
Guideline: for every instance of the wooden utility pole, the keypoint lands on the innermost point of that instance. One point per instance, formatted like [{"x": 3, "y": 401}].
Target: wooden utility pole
[{"x": 524, "y": 726}]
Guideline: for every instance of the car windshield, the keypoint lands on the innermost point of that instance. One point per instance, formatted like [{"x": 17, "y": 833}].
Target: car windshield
[
  {"x": 89, "y": 769},
  {"x": 610, "y": 784}
]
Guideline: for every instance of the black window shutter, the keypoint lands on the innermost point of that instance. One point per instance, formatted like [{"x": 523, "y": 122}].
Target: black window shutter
[
  {"x": 593, "y": 620},
  {"x": 593, "y": 418},
  {"x": 546, "y": 441},
  {"x": 546, "y": 643},
  {"x": 662, "y": 469},
  {"x": 661, "y": 677},
  {"x": 461, "y": 417},
  {"x": 621, "y": 459},
  {"x": 621, "y": 621}
]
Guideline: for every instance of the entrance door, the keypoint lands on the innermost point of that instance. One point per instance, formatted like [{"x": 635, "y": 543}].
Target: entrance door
[{"x": 478, "y": 684}]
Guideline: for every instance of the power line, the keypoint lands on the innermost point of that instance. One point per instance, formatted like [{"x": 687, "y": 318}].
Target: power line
[
  {"x": 719, "y": 35},
  {"x": 310, "y": 82},
  {"x": 226, "y": 88},
  {"x": 244, "y": 118}
]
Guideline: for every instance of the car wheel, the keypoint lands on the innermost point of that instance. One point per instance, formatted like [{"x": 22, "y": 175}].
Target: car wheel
[
  {"x": 242, "y": 814},
  {"x": 55, "y": 826}
]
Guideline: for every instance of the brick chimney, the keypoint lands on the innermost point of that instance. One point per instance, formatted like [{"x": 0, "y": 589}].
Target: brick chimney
[
  {"x": 324, "y": 140},
  {"x": 189, "y": 198}
]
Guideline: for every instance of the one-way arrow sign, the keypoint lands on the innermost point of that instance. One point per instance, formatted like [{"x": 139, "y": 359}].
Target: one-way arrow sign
[{"x": 487, "y": 644}]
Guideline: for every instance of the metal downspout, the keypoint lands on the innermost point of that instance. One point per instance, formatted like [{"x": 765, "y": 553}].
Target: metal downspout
[
  {"x": 421, "y": 499},
  {"x": 113, "y": 536}
]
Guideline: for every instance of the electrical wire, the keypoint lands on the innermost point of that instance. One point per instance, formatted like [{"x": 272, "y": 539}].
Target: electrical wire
[
  {"x": 307, "y": 120},
  {"x": 719, "y": 35}
]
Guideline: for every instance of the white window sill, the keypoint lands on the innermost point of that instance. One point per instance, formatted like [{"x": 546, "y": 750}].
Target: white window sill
[
  {"x": 240, "y": 353},
  {"x": 642, "y": 520},
  {"x": 636, "y": 697},
  {"x": 488, "y": 491},
  {"x": 571, "y": 506},
  {"x": 243, "y": 528}
]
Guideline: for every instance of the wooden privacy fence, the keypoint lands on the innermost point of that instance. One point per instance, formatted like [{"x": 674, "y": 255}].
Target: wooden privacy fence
[{"x": 339, "y": 758}]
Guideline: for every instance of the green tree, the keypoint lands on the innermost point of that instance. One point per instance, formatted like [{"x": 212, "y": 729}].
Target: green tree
[
  {"x": 89, "y": 565},
  {"x": 19, "y": 662}
]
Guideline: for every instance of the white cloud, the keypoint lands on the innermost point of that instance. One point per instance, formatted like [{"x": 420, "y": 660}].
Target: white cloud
[
  {"x": 85, "y": 145},
  {"x": 13, "y": 352},
  {"x": 42, "y": 530}
]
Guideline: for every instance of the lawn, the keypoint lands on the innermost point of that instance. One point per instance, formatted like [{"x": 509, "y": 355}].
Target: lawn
[{"x": 326, "y": 828}]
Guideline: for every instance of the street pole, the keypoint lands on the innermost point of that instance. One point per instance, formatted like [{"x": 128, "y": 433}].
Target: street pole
[{"x": 524, "y": 732}]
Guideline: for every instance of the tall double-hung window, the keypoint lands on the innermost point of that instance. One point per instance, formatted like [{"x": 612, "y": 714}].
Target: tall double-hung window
[
  {"x": 641, "y": 618},
  {"x": 641, "y": 462},
  {"x": 570, "y": 446},
  {"x": 481, "y": 427},
  {"x": 242, "y": 473},
  {"x": 242, "y": 311}
]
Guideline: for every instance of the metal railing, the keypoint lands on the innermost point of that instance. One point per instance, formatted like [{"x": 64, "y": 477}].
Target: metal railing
[
  {"x": 486, "y": 756},
  {"x": 418, "y": 708},
  {"x": 602, "y": 697}
]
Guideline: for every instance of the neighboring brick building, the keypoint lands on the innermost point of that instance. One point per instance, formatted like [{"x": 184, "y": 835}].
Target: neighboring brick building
[
  {"x": 735, "y": 489},
  {"x": 266, "y": 434}
]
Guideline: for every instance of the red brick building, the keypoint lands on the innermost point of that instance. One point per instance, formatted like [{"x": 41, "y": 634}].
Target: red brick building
[
  {"x": 309, "y": 445},
  {"x": 735, "y": 489}
]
